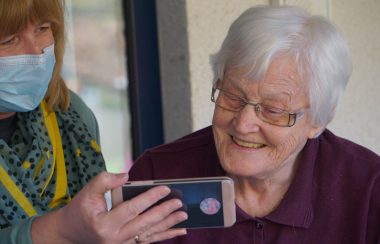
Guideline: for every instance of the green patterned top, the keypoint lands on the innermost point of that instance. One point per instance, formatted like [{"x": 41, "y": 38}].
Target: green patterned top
[{"x": 46, "y": 153}]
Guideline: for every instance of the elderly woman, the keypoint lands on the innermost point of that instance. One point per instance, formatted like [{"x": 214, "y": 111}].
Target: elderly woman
[{"x": 278, "y": 78}]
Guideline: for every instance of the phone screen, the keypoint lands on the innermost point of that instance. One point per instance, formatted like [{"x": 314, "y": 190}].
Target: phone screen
[{"x": 203, "y": 201}]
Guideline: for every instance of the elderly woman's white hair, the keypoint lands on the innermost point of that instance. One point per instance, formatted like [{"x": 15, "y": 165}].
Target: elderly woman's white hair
[{"x": 263, "y": 33}]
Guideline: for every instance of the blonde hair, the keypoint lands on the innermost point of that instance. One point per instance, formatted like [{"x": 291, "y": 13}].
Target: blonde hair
[{"x": 15, "y": 16}]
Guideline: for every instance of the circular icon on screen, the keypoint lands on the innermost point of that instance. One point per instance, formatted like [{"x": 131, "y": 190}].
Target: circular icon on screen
[{"x": 210, "y": 206}]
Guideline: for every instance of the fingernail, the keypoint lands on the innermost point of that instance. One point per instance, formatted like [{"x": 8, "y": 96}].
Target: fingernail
[
  {"x": 178, "y": 203},
  {"x": 165, "y": 191},
  {"x": 185, "y": 216},
  {"x": 183, "y": 231}
]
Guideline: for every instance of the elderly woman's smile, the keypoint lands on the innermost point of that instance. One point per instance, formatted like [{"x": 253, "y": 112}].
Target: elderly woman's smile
[
  {"x": 247, "y": 144},
  {"x": 254, "y": 140}
]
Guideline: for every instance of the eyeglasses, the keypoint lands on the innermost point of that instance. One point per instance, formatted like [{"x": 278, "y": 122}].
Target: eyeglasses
[{"x": 271, "y": 115}]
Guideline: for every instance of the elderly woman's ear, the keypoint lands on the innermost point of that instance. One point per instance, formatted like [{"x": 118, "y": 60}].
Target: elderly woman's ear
[{"x": 316, "y": 131}]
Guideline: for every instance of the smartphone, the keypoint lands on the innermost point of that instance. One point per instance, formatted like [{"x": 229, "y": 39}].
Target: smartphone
[{"x": 209, "y": 202}]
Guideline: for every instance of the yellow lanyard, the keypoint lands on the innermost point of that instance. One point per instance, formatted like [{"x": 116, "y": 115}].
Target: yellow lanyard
[
  {"x": 58, "y": 157},
  {"x": 58, "y": 166},
  {"x": 16, "y": 193}
]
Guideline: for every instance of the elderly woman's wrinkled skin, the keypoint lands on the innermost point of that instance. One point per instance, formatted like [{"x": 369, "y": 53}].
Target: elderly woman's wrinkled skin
[{"x": 254, "y": 152}]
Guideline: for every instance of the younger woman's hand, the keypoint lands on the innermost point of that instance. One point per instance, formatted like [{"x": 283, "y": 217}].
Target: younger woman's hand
[{"x": 86, "y": 219}]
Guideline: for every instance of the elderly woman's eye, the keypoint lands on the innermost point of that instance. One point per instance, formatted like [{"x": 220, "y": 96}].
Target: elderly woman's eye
[
  {"x": 232, "y": 101},
  {"x": 234, "y": 98},
  {"x": 272, "y": 110}
]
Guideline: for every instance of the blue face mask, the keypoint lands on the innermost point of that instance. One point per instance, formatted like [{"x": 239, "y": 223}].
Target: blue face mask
[{"x": 24, "y": 80}]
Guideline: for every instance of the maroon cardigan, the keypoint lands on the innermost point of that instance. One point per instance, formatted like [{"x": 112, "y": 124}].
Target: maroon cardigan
[{"x": 334, "y": 197}]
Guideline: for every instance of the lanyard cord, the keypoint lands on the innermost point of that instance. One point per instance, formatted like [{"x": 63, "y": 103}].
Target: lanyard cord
[{"x": 58, "y": 156}]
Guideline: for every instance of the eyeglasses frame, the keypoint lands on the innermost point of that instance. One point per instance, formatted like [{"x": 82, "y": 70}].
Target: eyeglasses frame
[{"x": 292, "y": 116}]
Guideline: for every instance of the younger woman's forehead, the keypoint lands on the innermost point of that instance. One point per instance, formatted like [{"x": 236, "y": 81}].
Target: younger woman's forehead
[
  {"x": 15, "y": 22},
  {"x": 16, "y": 15}
]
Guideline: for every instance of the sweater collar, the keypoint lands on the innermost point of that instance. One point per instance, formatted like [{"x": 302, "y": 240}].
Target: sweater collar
[{"x": 296, "y": 208}]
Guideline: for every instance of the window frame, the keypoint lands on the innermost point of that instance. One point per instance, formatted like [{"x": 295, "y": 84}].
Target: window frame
[{"x": 143, "y": 71}]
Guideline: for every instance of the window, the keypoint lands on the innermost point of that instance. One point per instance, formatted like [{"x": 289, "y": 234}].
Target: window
[{"x": 95, "y": 68}]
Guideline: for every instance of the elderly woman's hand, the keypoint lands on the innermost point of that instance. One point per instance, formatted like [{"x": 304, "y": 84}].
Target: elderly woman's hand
[{"x": 86, "y": 219}]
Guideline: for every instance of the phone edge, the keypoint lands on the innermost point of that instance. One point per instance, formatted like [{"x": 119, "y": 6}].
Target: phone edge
[
  {"x": 228, "y": 202},
  {"x": 117, "y": 196}
]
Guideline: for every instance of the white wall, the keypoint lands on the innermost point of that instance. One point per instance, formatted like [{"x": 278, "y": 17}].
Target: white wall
[
  {"x": 208, "y": 23},
  {"x": 358, "y": 116},
  {"x": 191, "y": 30}
]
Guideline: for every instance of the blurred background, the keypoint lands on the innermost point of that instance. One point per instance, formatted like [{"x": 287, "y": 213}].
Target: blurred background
[
  {"x": 143, "y": 67},
  {"x": 95, "y": 68}
]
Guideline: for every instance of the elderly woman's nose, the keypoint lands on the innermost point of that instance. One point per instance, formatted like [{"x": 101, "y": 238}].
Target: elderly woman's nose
[{"x": 246, "y": 120}]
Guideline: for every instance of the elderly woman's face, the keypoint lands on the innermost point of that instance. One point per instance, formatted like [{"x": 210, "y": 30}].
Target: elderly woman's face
[{"x": 250, "y": 147}]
